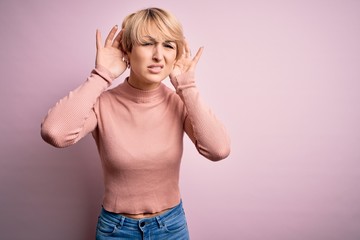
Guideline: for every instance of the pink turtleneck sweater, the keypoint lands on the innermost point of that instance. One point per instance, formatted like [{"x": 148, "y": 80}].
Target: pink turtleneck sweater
[{"x": 139, "y": 135}]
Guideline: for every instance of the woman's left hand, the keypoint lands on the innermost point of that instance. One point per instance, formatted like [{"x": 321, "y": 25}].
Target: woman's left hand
[{"x": 186, "y": 63}]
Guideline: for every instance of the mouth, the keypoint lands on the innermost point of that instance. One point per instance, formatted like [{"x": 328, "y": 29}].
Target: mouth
[{"x": 155, "y": 68}]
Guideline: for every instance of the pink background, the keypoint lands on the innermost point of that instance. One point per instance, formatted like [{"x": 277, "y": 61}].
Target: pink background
[{"x": 284, "y": 77}]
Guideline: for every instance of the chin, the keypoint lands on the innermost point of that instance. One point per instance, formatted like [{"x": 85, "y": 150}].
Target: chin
[{"x": 157, "y": 79}]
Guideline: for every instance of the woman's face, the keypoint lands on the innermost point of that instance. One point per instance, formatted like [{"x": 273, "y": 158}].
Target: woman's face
[{"x": 152, "y": 61}]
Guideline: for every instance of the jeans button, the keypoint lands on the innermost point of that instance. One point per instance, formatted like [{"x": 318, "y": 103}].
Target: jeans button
[{"x": 142, "y": 224}]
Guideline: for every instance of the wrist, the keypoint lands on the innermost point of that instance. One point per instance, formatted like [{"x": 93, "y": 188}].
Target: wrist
[
  {"x": 183, "y": 81},
  {"x": 104, "y": 73}
]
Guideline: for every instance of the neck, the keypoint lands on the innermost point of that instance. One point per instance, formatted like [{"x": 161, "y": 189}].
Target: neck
[{"x": 142, "y": 85}]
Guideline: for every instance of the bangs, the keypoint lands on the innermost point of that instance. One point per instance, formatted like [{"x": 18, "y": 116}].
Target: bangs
[
  {"x": 143, "y": 23},
  {"x": 160, "y": 32},
  {"x": 165, "y": 30}
]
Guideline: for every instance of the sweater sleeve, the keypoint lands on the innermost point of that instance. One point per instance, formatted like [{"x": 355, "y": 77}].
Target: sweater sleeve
[
  {"x": 73, "y": 116},
  {"x": 201, "y": 125}
]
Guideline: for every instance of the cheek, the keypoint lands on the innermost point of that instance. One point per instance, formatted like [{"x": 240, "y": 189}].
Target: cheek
[
  {"x": 172, "y": 60},
  {"x": 140, "y": 55},
  {"x": 169, "y": 61},
  {"x": 171, "y": 56},
  {"x": 172, "y": 64}
]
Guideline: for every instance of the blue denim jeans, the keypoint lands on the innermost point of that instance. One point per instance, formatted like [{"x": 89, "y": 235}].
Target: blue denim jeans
[{"x": 169, "y": 225}]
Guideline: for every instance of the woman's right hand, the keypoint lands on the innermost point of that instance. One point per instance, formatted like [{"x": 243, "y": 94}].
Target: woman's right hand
[{"x": 110, "y": 55}]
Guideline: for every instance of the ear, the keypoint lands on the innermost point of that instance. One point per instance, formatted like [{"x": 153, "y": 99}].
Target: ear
[
  {"x": 126, "y": 55},
  {"x": 125, "y": 59}
]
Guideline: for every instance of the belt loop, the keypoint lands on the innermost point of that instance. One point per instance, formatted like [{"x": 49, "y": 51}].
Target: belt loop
[
  {"x": 122, "y": 221},
  {"x": 159, "y": 221}
]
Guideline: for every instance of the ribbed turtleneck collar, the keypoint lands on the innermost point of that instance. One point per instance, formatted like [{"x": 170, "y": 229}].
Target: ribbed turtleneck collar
[{"x": 141, "y": 96}]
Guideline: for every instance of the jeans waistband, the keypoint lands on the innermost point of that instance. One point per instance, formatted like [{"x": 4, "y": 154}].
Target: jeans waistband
[{"x": 135, "y": 223}]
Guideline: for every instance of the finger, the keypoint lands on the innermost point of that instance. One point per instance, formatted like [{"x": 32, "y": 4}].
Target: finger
[
  {"x": 198, "y": 55},
  {"x": 110, "y": 36},
  {"x": 98, "y": 39},
  {"x": 117, "y": 40},
  {"x": 187, "y": 49}
]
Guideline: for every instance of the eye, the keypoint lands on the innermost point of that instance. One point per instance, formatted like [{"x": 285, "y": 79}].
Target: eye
[
  {"x": 147, "y": 44},
  {"x": 169, "y": 45}
]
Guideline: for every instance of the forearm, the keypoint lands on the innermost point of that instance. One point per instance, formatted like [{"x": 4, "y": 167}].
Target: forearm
[{"x": 205, "y": 130}]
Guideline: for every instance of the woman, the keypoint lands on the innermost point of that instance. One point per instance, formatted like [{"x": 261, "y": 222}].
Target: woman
[{"x": 138, "y": 126}]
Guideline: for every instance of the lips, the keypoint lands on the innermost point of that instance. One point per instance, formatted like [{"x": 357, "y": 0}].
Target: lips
[{"x": 155, "y": 68}]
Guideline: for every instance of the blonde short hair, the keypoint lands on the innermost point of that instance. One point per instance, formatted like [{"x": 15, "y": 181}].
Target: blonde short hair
[{"x": 136, "y": 25}]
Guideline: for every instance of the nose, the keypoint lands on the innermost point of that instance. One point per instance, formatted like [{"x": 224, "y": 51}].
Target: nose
[{"x": 158, "y": 53}]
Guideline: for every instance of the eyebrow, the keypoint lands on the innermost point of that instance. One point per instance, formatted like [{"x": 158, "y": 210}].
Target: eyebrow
[
  {"x": 154, "y": 40},
  {"x": 150, "y": 38}
]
